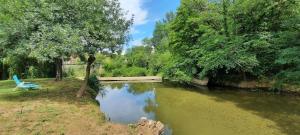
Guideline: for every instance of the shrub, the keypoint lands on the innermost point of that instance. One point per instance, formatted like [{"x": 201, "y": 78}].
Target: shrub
[
  {"x": 69, "y": 73},
  {"x": 33, "y": 72},
  {"x": 117, "y": 72},
  {"x": 94, "y": 84},
  {"x": 129, "y": 71},
  {"x": 106, "y": 74},
  {"x": 135, "y": 71}
]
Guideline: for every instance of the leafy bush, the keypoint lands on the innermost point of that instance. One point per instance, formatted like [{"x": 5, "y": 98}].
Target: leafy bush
[
  {"x": 94, "y": 84},
  {"x": 33, "y": 72},
  {"x": 291, "y": 77},
  {"x": 106, "y": 74},
  {"x": 136, "y": 71},
  {"x": 74, "y": 71},
  {"x": 69, "y": 73},
  {"x": 159, "y": 62},
  {"x": 173, "y": 73},
  {"x": 116, "y": 72},
  {"x": 25, "y": 67},
  {"x": 110, "y": 64},
  {"x": 139, "y": 56},
  {"x": 129, "y": 71}
]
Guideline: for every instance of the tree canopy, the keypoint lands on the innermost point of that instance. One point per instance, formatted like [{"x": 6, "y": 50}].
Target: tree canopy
[
  {"x": 242, "y": 38},
  {"x": 51, "y": 30},
  {"x": 219, "y": 39}
]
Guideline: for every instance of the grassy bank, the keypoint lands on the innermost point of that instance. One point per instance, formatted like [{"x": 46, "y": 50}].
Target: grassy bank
[{"x": 52, "y": 110}]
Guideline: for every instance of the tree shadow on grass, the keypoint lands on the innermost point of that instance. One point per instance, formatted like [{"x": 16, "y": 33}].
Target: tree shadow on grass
[{"x": 62, "y": 91}]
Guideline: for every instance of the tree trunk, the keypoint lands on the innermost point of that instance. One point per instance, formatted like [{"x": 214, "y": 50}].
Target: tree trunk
[
  {"x": 2, "y": 71},
  {"x": 5, "y": 74},
  {"x": 82, "y": 90},
  {"x": 244, "y": 76},
  {"x": 58, "y": 63}
]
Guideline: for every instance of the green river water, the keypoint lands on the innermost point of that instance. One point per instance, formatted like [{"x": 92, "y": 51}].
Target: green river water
[{"x": 202, "y": 111}]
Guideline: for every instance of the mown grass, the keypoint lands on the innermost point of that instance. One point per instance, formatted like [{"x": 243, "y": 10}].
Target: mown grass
[{"x": 54, "y": 109}]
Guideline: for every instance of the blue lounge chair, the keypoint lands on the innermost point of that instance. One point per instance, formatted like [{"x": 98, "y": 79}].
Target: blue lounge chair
[{"x": 25, "y": 85}]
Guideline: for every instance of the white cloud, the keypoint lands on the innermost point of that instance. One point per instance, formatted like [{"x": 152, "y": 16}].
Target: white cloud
[
  {"x": 135, "y": 7},
  {"x": 137, "y": 42},
  {"x": 133, "y": 30},
  {"x": 134, "y": 43}
]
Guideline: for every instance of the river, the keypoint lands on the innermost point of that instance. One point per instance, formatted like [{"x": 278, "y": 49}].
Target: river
[{"x": 202, "y": 111}]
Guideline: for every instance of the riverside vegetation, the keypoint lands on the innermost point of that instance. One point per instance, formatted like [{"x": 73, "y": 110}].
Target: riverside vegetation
[
  {"x": 219, "y": 40},
  {"x": 222, "y": 40}
]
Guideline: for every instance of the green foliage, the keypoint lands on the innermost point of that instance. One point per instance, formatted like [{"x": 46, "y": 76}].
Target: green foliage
[
  {"x": 233, "y": 56},
  {"x": 136, "y": 62},
  {"x": 289, "y": 59},
  {"x": 109, "y": 64},
  {"x": 74, "y": 70},
  {"x": 33, "y": 72},
  {"x": 213, "y": 39},
  {"x": 160, "y": 62},
  {"x": 129, "y": 71},
  {"x": 121, "y": 66},
  {"x": 159, "y": 33},
  {"x": 177, "y": 74},
  {"x": 26, "y": 67},
  {"x": 139, "y": 56},
  {"x": 54, "y": 42},
  {"x": 243, "y": 37},
  {"x": 52, "y": 30},
  {"x": 100, "y": 58},
  {"x": 69, "y": 73},
  {"x": 94, "y": 83}
]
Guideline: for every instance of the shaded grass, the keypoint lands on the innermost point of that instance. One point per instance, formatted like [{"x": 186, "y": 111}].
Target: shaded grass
[
  {"x": 7, "y": 86},
  {"x": 63, "y": 91},
  {"x": 54, "y": 109}
]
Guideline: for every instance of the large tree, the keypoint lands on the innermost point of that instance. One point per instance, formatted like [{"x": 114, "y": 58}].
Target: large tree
[
  {"x": 53, "y": 44},
  {"x": 52, "y": 28},
  {"x": 36, "y": 29},
  {"x": 225, "y": 37},
  {"x": 103, "y": 27},
  {"x": 14, "y": 34}
]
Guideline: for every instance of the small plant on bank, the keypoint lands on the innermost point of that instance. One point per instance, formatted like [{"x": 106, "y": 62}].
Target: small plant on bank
[{"x": 94, "y": 84}]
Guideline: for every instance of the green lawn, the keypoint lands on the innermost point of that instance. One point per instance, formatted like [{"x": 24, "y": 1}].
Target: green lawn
[
  {"x": 54, "y": 109},
  {"x": 7, "y": 87}
]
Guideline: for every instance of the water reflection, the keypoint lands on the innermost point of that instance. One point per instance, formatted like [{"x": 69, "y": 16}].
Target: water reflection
[
  {"x": 194, "y": 111},
  {"x": 127, "y": 104}
]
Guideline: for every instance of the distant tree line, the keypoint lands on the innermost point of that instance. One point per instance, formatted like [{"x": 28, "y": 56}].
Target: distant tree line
[
  {"x": 224, "y": 39},
  {"x": 214, "y": 39},
  {"x": 241, "y": 39}
]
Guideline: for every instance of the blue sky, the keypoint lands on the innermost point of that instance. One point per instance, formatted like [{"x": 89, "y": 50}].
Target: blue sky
[{"x": 146, "y": 13}]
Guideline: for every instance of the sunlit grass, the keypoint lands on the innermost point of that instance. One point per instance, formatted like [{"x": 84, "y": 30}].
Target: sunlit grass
[{"x": 53, "y": 109}]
